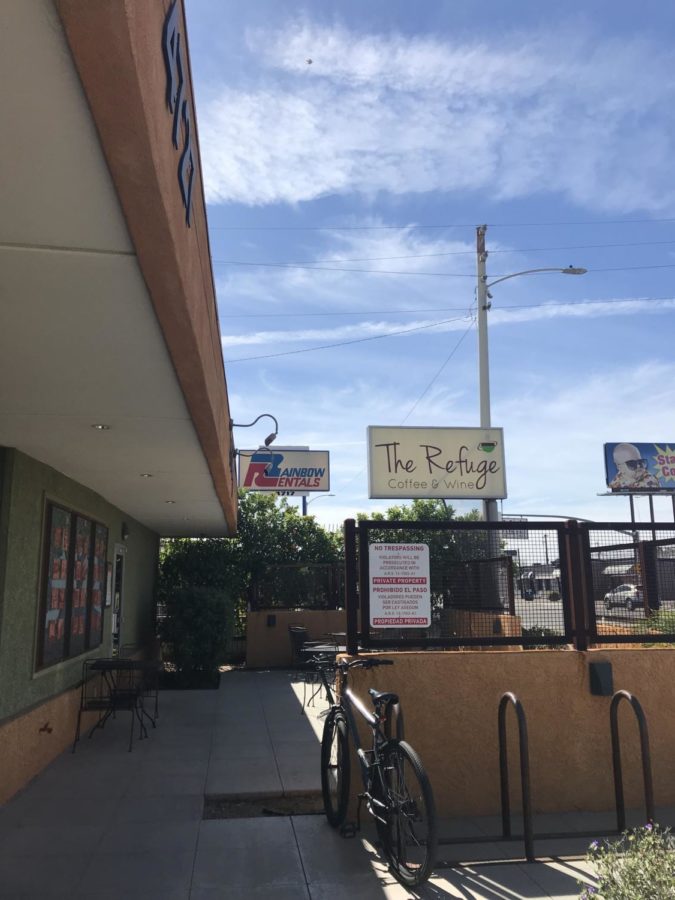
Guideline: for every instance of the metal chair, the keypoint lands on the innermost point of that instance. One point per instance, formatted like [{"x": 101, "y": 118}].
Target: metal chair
[
  {"x": 302, "y": 651},
  {"x": 109, "y": 686}
]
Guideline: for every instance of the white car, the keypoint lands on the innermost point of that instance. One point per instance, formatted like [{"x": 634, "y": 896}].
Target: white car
[{"x": 628, "y": 595}]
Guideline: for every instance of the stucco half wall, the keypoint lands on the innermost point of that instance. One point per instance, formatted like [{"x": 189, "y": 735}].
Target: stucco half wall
[
  {"x": 450, "y": 702},
  {"x": 269, "y": 645}
]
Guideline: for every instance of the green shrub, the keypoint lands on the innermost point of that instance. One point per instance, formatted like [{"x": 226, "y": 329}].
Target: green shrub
[
  {"x": 640, "y": 865},
  {"x": 194, "y": 628},
  {"x": 664, "y": 621},
  {"x": 538, "y": 631}
]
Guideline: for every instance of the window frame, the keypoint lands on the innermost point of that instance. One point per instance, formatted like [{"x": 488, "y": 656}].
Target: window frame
[{"x": 92, "y": 639}]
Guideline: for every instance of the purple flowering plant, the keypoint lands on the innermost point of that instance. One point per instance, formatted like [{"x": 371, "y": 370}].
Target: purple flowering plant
[{"x": 639, "y": 865}]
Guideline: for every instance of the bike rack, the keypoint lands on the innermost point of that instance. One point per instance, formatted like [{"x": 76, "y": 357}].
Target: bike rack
[
  {"x": 616, "y": 758},
  {"x": 528, "y": 832},
  {"x": 528, "y": 835},
  {"x": 395, "y": 714}
]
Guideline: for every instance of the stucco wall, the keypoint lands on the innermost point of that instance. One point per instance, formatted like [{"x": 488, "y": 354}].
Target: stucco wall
[
  {"x": 4, "y": 521},
  {"x": 450, "y": 703},
  {"x": 28, "y": 484},
  {"x": 31, "y": 742},
  {"x": 270, "y": 646}
]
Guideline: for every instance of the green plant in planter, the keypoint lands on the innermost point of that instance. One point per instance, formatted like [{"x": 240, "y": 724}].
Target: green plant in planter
[
  {"x": 193, "y": 631},
  {"x": 640, "y": 865}
]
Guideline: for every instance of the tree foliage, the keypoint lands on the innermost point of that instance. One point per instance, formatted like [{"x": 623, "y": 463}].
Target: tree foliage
[
  {"x": 270, "y": 534},
  {"x": 194, "y": 628},
  {"x": 455, "y": 555}
]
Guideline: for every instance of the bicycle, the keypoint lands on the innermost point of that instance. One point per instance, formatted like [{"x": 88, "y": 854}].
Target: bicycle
[{"x": 396, "y": 787}]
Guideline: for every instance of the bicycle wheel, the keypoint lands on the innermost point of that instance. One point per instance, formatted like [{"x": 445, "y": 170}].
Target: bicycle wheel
[
  {"x": 407, "y": 824},
  {"x": 335, "y": 769}
]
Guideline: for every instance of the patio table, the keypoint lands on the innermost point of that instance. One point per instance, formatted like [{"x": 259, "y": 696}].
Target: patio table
[{"x": 121, "y": 684}]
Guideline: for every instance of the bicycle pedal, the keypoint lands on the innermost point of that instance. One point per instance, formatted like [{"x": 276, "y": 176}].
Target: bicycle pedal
[{"x": 348, "y": 830}]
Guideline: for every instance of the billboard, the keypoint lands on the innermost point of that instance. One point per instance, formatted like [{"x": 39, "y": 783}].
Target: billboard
[
  {"x": 275, "y": 469},
  {"x": 636, "y": 468},
  {"x": 428, "y": 463}
]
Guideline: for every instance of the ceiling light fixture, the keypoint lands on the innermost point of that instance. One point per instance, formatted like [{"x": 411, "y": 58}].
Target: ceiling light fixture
[
  {"x": 99, "y": 426},
  {"x": 145, "y": 475}
]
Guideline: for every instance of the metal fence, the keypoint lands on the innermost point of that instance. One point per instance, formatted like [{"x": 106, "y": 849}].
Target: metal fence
[
  {"x": 299, "y": 586},
  {"x": 546, "y": 584}
]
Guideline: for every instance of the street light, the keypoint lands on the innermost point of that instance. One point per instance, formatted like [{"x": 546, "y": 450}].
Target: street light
[
  {"x": 483, "y": 298},
  {"x": 268, "y": 440},
  {"x": 306, "y": 502},
  {"x": 320, "y": 497},
  {"x": 270, "y": 437}
]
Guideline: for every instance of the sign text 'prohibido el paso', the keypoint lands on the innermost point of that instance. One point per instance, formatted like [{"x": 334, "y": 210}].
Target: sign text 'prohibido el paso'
[{"x": 449, "y": 463}]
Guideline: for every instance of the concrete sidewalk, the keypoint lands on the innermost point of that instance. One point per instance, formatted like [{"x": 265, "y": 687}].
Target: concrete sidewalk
[{"x": 105, "y": 823}]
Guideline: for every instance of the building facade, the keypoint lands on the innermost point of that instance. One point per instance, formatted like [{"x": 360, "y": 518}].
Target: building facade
[{"x": 114, "y": 418}]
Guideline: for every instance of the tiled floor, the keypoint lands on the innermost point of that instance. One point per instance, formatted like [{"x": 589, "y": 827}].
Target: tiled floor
[{"x": 104, "y": 823}]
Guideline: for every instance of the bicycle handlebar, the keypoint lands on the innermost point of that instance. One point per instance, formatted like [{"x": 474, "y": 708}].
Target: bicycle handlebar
[{"x": 364, "y": 663}]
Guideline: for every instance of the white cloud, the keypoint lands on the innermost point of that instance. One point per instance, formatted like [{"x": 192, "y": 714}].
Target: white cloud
[
  {"x": 281, "y": 338},
  {"x": 555, "y": 437},
  {"x": 586, "y": 117},
  {"x": 554, "y": 434}
]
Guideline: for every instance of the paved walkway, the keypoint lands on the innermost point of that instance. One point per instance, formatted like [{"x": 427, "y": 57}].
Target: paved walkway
[{"x": 104, "y": 823}]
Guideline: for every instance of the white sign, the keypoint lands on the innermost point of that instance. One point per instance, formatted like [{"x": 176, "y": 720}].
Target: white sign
[
  {"x": 515, "y": 535},
  {"x": 278, "y": 469},
  {"x": 448, "y": 463},
  {"x": 399, "y": 586}
]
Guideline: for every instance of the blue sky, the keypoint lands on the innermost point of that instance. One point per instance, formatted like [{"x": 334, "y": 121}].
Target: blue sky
[{"x": 413, "y": 124}]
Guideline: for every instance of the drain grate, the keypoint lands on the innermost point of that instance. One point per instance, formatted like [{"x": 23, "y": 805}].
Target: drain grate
[{"x": 219, "y": 807}]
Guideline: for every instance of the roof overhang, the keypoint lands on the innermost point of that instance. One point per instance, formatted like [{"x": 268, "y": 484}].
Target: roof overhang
[
  {"x": 625, "y": 569},
  {"x": 107, "y": 304}
]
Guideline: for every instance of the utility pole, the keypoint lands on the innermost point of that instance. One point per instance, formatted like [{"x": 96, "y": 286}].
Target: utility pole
[{"x": 490, "y": 512}]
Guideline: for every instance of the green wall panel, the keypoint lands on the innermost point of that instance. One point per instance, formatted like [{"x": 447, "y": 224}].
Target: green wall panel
[{"x": 25, "y": 488}]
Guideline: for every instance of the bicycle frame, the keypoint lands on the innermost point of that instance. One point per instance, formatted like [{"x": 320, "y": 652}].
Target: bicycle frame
[
  {"x": 396, "y": 787},
  {"x": 380, "y": 728}
]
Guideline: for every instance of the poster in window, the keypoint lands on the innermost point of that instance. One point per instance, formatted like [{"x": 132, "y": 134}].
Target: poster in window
[
  {"x": 99, "y": 584},
  {"x": 53, "y": 639},
  {"x": 80, "y": 594}
]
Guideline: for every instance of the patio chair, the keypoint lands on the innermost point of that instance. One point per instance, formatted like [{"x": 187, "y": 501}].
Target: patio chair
[
  {"x": 298, "y": 635},
  {"x": 108, "y": 686},
  {"x": 302, "y": 661}
]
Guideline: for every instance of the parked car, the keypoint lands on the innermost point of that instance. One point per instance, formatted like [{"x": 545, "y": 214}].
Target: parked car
[{"x": 628, "y": 595}]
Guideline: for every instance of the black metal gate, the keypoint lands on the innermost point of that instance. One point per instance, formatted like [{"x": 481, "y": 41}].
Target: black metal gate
[{"x": 523, "y": 584}]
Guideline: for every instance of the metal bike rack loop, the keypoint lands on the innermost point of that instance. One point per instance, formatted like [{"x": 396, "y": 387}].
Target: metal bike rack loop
[
  {"x": 616, "y": 758},
  {"x": 510, "y": 698},
  {"x": 528, "y": 834},
  {"x": 506, "y": 835}
]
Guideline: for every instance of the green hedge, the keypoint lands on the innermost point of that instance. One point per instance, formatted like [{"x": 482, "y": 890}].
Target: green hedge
[{"x": 194, "y": 628}]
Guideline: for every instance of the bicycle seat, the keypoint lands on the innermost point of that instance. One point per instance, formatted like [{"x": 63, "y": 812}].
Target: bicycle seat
[{"x": 383, "y": 696}]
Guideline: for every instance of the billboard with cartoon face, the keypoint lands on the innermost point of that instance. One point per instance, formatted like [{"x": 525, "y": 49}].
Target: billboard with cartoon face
[{"x": 635, "y": 468}]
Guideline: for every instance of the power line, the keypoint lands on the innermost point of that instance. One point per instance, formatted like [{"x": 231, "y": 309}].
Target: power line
[
  {"x": 431, "y": 309},
  {"x": 432, "y": 325},
  {"x": 634, "y": 268},
  {"x": 312, "y": 268},
  {"x": 410, "y": 225},
  {"x": 313, "y": 263},
  {"x": 234, "y": 262},
  {"x": 438, "y": 374},
  {"x": 374, "y": 337}
]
